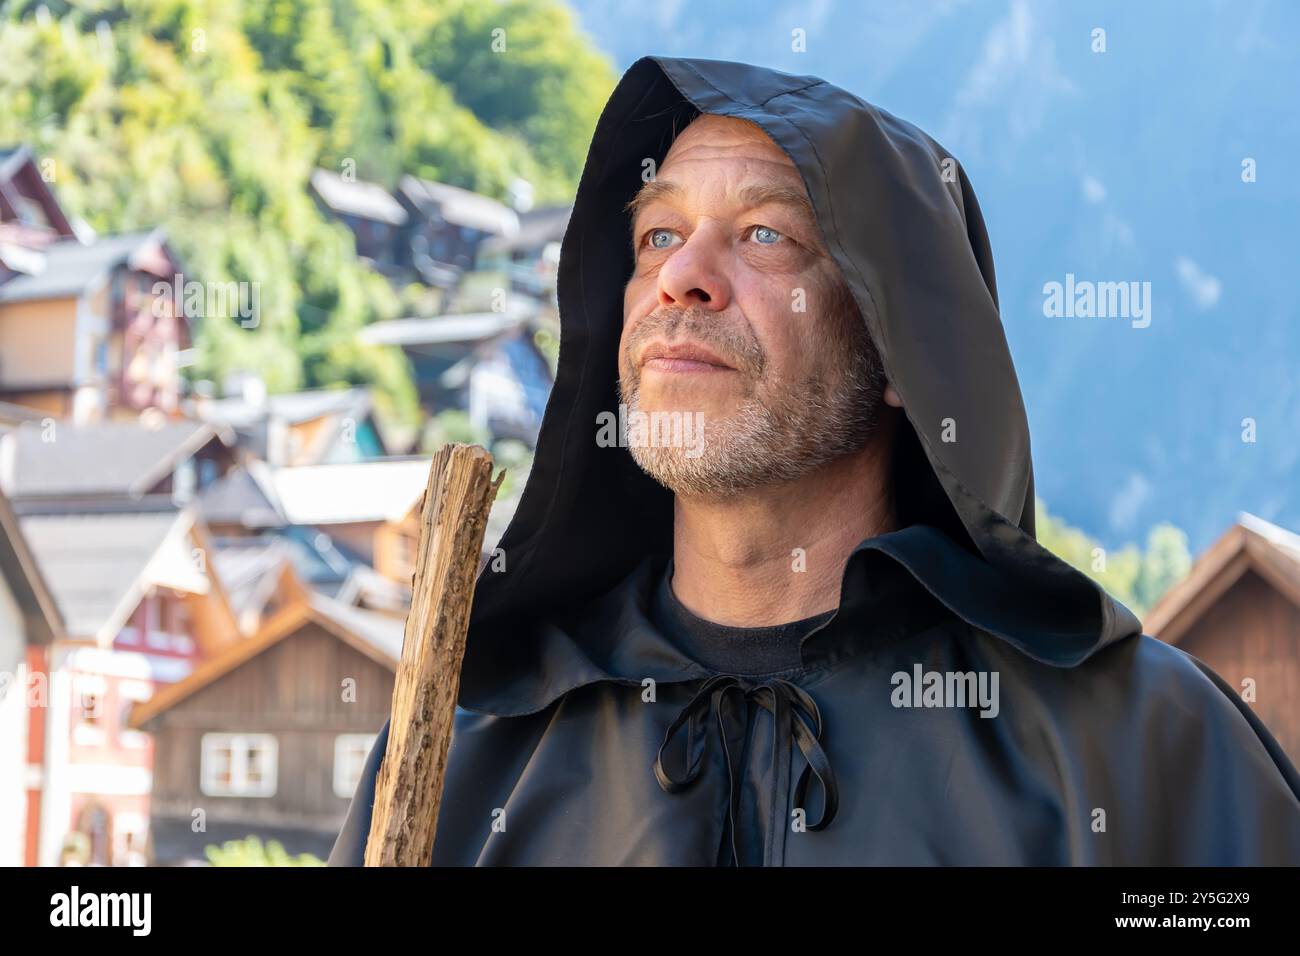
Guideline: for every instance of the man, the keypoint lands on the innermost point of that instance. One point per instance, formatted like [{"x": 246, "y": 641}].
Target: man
[{"x": 824, "y": 633}]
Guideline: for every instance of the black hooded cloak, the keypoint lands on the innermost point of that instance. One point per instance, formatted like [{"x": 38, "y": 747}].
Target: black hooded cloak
[{"x": 584, "y": 736}]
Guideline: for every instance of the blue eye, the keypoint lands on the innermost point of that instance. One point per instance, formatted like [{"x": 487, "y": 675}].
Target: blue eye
[
  {"x": 656, "y": 235},
  {"x": 766, "y": 235}
]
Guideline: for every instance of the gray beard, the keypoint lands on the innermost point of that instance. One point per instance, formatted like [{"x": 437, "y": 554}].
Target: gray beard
[{"x": 782, "y": 436}]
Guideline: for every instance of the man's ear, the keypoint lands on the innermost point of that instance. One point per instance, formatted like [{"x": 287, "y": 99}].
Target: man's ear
[{"x": 891, "y": 397}]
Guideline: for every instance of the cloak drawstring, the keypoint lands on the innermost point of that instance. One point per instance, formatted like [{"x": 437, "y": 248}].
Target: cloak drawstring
[{"x": 794, "y": 715}]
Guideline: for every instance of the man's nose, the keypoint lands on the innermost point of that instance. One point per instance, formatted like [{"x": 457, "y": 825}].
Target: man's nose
[{"x": 695, "y": 275}]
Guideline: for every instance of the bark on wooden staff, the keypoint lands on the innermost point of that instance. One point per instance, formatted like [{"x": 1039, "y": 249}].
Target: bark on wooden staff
[{"x": 409, "y": 786}]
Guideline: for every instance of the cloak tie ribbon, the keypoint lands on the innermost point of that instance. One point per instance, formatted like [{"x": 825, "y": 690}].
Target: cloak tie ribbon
[{"x": 795, "y": 719}]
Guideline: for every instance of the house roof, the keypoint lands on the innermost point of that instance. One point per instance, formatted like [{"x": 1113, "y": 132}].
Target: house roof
[
  {"x": 378, "y": 489},
  {"x": 22, "y": 574},
  {"x": 71, "y": 266},
  {"x": 104, "y": 458},
  {"x": 12, "y": 160},
  {"x": 374, "y": 634},
  {"x": 260, "y": 420},
  {"x": 1251, "y": 544},
  {"x": 291, "y": 407},
  {"x": 251, "y": 570},
  {"x": 366, "y": 587},
  {"x": 357, "y": 198},
  {"x": 537, "y": 227},
  {"x": 460, "y": 207},
  {"x": 244, "y": 496},
  {"x": 99, "y": 565},
  {"x": 442, "y": 329}
]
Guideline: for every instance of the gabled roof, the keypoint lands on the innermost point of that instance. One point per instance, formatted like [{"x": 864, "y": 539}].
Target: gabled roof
[
  {"x": 22, "y": 574},
  {"x": 12, "y": 161},
  {"x": 244, "y": 496},
  {"x": 357, "y": 198},
  {"x": 98, "y": 566},
  {"x": 106, "y": 458},
  {"x": 1251, "y": 544},
  {"x": 460, "y": 207},
  {"x": 71, "y": 266},
  {"x": 377, "y": 636}
]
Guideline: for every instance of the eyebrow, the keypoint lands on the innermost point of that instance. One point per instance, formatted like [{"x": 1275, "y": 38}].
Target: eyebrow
[{"x": 755, "y": 194}]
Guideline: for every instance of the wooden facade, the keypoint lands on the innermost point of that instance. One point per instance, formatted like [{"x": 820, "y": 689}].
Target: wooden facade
[
  {"x": 304, "y": 680},
  {"x": 1239, "y": 612}
]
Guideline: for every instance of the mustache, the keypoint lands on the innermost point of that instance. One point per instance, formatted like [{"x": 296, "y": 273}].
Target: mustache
[{"x": 735, "y": 345}]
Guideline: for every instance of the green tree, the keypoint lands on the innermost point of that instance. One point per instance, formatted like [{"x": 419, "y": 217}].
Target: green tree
[
  {"x": 207, "y": 117},
  {"x": 1137, "y": 578}
]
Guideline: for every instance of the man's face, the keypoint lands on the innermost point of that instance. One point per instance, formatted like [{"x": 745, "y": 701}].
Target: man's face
[{"x": 735, "y": 311}]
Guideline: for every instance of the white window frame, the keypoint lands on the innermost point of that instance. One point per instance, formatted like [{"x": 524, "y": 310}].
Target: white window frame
[
  {"x": 239, "y": 745},
  {"x": 345, "y": 783}
]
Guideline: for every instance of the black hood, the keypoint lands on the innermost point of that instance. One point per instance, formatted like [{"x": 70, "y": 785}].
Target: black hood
[{"x": 900, "y": 218}]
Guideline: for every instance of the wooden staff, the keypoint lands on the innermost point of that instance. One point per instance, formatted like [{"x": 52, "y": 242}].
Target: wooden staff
[{"x": 409, "y": 786}]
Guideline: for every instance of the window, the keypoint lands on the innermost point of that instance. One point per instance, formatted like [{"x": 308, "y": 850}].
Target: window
[
  {"x": 89, "y": 720},
  {"x": 350, "y": 752},
  {"x": 129, "y": 693},
  {"x": 238, "y": 765}
]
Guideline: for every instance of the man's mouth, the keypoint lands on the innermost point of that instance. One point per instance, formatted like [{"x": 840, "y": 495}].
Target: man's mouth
[{"x": 683, "y": 357}]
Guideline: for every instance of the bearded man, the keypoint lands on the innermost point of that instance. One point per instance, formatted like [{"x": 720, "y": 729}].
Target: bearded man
[{"x": 827, "y": 635}]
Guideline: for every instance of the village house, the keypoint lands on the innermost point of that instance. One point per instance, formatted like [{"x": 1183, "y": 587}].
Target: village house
[
  {"x": 1238, "y": 610},
  {"x": 140, "y": 610},
  {"x": 423, "y": 231},
  {"x": 269, "y": 738},
  {"x": 312, "y": 427},
  {"x": 486, "y": 364},
  {"x": 29, "y": 623},
  {"x": 89, "y": 326},
  {"x": 104, "y": 512},
  {"x": 531, "y": 257},
  {"x": 368, "y": 210},
  {"x": 445, "y": 226},
  {"x": 367, "y": 511}
]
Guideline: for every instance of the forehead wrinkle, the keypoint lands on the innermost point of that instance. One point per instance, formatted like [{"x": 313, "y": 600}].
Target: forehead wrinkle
[
  {"x": 750, "y": 196},
  {"x": 760, "y": 194},
  {"x": 654, "y": 190}
]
